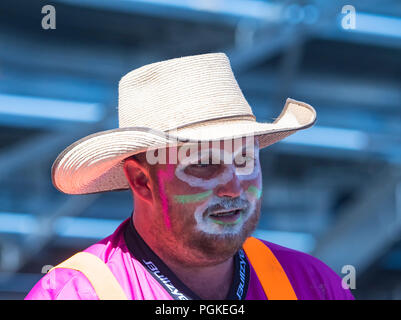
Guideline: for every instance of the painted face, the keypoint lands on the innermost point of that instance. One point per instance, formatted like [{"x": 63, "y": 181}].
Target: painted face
[
  {"x": 212, "y": 193},
  {"x": 221, "y": 214}
]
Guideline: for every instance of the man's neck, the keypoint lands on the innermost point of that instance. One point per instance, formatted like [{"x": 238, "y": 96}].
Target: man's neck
[{"x": 210, "y": 282}]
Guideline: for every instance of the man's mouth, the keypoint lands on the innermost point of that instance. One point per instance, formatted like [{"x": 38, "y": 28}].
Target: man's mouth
[{"x": 227, "y": 216}]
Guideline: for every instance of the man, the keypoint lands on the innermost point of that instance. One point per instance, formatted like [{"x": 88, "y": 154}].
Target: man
[{"x": 188, "y": 147}]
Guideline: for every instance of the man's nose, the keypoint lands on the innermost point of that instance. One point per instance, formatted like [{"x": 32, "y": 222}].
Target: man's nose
[{"x": 231, "y": 188}]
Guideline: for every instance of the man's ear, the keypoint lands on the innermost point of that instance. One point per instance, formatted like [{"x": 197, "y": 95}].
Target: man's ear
[{"x": 138, "y": 178}]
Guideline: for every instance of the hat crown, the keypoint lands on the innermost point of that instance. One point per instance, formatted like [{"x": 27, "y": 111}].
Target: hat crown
[{"x": 179, "y": 92}]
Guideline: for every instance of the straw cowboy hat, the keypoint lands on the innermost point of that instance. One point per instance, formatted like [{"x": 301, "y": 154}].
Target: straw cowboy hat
[{"x": 194, "y": 98}]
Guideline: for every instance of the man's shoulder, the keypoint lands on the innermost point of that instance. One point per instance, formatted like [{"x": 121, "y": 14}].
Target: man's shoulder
[
  {"x": 62, "y": 284},
  {"x": 297, "y": 259},
  {"x": 296, "y": 256},
  {"x": 311, "y": 277}
]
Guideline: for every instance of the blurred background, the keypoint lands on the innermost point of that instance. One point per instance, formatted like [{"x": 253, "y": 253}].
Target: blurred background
[{"x": 332, "y": 191}]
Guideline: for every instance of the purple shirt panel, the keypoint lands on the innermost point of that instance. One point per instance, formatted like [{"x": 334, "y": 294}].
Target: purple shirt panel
[{"x": 310, "y": 278}]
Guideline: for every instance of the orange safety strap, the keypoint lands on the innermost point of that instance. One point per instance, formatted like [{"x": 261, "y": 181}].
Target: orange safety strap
[
  {"x": 98, "y": 273},
  {"x": 270, "y": 273}
]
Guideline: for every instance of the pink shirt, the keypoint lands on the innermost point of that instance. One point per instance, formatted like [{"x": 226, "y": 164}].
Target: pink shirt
[{"x": 310, "y": 278}]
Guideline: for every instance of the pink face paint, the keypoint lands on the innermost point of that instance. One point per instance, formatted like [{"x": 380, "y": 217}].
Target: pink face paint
[{"x": 165, "y": 176}]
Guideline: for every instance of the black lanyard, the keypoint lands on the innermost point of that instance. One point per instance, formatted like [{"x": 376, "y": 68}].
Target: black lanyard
[{"x": 174, "y": 286}]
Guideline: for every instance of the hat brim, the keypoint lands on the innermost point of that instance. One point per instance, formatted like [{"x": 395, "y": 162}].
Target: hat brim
[{"x": 94, "y": 163}]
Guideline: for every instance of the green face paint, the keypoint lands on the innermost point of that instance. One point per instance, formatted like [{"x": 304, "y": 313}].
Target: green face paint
[
  {"x": 255, "y": 191},
  {"x": 196, "y": 197}
]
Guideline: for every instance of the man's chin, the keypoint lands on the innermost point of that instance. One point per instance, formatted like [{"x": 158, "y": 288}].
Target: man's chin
[
  {"x": 205, "y": 248},
  {"x": 215, "y": 248}
]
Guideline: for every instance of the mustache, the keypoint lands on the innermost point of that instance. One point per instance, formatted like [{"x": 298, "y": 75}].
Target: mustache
[{"x": 227, "y": 204}]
